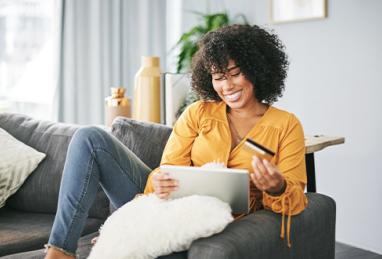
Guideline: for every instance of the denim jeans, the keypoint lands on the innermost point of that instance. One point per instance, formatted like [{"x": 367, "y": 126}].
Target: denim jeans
[{"x": 94, "y": 157}]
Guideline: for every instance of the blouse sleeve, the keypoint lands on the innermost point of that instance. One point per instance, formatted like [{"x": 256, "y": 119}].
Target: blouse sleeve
[
  {"x": 178, "y": 148},
  {"x": 291, "y": 162}
]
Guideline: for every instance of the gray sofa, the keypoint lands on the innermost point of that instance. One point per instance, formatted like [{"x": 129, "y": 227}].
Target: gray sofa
[{"x": 26, "y": 219}]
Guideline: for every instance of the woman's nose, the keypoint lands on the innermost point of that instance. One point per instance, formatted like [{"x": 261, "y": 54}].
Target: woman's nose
[{"x": 228, "y": 84}]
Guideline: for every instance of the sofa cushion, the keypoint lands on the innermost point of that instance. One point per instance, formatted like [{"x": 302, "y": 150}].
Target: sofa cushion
[
  {"x": 146, "y": 140},
  {"x": 23, "y": 231},
  {"x": 17, "y": 162},
  {"x": 39, "y": 193}
]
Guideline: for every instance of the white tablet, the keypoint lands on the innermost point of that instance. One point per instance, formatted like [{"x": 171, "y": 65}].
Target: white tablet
[{"x": 227, "y": 184}]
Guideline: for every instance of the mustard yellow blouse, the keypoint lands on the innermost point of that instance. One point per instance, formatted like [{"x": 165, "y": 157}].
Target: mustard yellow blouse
[{"x": 202, "y": 135}]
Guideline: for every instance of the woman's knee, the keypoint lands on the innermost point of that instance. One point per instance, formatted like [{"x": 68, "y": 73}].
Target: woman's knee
[{"x": 90, "y": 135}]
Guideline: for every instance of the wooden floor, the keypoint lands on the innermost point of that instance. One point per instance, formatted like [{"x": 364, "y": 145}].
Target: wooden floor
[{"x": 348, "y": 252}]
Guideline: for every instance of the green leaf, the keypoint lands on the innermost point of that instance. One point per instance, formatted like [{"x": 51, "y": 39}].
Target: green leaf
[
  {"x": 219, "y": 21},
  {"x": 215, "y": 21},
  {"x": 185, "y": 56},
  {"x": 193, "y": 32}
]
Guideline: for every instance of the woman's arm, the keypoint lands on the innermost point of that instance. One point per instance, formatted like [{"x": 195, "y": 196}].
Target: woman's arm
[
  {"x": 291, "y": 164},
  {"x": 178, "y": 148},
  {"x": 283, "y": 184}
]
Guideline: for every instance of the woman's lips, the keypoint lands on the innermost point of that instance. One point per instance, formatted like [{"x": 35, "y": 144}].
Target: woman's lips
[{"x": 234, "y": 96}]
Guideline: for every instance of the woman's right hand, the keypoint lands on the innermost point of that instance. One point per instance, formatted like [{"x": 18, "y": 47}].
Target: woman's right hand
[{"x": 163, "y": 184}]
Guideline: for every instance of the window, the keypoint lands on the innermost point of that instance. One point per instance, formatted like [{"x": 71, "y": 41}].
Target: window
[{"x": 29, "y": 51}]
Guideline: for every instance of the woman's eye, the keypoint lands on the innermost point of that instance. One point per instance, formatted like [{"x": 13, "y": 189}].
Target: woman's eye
[
  {"x": 219, "y": 78},
  {"x": 236, "y": 74}
]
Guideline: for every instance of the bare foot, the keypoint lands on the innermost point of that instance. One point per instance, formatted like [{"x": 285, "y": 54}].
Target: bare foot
[{"x": 54, "y": 253}]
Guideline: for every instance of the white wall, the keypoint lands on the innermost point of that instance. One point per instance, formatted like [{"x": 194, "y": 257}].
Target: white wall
[{"x": 334, "y": 87}]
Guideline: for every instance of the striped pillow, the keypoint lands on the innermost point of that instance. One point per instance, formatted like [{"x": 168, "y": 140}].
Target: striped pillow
[{"x": 17, "y": 162}]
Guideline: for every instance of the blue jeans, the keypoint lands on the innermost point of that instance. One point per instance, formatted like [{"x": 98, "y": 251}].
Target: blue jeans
[{"x": 94, "y": 157}]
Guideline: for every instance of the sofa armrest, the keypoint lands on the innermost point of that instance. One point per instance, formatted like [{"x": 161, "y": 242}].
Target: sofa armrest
[
  {"x": 258, "y": 235},
  {"x": 146, "y": 140}
]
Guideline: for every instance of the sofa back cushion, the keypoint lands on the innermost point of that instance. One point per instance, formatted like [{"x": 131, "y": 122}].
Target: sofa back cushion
[
  {"x": 146, "y": 140},
  {"x": 39, "y": 192}
]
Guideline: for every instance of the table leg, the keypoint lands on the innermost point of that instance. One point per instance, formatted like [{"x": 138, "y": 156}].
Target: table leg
[{"x": 311, "y": 172}]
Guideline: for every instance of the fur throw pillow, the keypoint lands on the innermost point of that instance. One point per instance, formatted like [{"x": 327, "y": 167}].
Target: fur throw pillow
[{"x": 148, "y": 227}]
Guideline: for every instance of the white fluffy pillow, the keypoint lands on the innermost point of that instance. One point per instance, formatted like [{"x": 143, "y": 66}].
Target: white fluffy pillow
[
  {"x": 148, "y": 227},
  {"x": 17, "y": 162}
]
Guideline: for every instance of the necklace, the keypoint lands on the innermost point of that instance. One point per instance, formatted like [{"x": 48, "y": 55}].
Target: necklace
[
  {"x": 237, "y": 138},
  {"x": 236, "y": 135}
]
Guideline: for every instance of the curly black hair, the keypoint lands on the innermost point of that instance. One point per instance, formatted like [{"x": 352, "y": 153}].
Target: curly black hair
[{"x": 259, "y": 54}]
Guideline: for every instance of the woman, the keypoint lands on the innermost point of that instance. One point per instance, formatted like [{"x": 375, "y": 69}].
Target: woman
[{"x": 238, "y": 71}]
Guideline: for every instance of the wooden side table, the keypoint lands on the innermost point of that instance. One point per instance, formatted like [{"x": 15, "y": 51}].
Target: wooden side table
[{"x": 313, "y": 144}]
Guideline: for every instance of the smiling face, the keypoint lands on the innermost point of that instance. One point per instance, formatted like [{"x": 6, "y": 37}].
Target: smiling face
[{"x": 233, "y": 88}]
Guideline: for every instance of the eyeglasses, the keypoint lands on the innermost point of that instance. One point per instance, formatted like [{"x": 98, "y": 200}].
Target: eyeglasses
[{"x": 232, "y": 72}]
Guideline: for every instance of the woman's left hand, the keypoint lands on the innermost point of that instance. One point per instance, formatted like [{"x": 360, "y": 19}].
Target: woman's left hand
[{"x": 267, "y": 177}]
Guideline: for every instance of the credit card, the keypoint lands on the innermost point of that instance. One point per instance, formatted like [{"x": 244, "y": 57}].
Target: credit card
[{"x": 259, "y": 149}]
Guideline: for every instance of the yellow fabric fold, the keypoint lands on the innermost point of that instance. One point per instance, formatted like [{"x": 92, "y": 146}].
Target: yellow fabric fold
[{"x": 283, "y": 219}]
